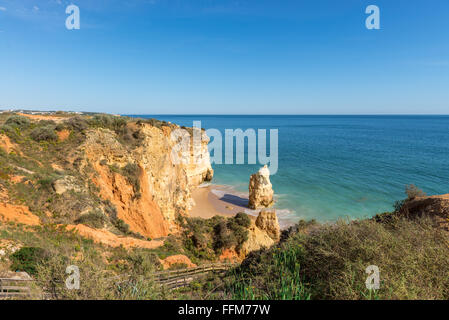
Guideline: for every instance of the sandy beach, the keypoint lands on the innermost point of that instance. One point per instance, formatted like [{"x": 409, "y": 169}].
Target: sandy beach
[{"x": 212, "y": 200}]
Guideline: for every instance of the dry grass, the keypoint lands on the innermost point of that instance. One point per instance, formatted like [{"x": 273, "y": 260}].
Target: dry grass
[{"x": 412, "y": 257}]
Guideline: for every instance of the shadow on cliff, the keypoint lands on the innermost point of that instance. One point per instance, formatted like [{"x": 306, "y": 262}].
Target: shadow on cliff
[{"x": 235, "y": 200}]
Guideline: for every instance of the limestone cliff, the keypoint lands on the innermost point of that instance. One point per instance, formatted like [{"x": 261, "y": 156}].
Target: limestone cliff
[{"x": 164, "y": 187}]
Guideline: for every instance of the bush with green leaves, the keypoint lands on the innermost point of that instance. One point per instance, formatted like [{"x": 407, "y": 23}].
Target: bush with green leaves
[
  {"x": 331, "y": 262},
  {"x": 77, "y": 123},
  {"x": 18, "y": 121},
  {"x": 132, "y": 173},
  {"x": 121, "y": 225},
  {"x": 27, "y": 259},
  {"x": 45, "y": 133},
  {"x": 93, "y": 219},
  {"x": 242, "y": 219}
]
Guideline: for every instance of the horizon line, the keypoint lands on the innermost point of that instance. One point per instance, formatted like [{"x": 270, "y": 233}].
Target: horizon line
[
  {"x": 283, "y": 114},
  {"x": 234, "y": 114}
]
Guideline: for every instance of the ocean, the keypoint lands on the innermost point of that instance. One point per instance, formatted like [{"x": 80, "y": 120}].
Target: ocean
[{"x": 333, "y": 167}]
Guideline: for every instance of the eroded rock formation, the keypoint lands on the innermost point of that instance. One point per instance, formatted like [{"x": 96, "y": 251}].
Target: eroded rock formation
[
  {"x": 164, "y": 187},
  {"x": 257, "y": 239},
  {"x": 260, "y": 189},
  {"x": 268, "y": 222},
  {"x": 264, "y": 232}
]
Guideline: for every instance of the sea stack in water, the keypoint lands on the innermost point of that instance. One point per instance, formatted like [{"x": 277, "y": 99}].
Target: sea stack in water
[{"x": 260, "y": 189}]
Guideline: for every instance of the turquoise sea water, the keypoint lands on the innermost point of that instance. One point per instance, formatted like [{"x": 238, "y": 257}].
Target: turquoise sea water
[{"x": 341, "y": 166}]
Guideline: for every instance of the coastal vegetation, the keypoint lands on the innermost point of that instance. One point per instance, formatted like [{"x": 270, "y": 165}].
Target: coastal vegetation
[
  {"x": 58, "y": 192},
  {"x": 330, "y": 263},
  {"x": 312, "y": 261}
]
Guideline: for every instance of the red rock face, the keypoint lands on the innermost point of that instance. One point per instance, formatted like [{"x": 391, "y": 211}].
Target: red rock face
[
  {"x": 165, "y": 187},
  {"x": 179, "y": 259}
]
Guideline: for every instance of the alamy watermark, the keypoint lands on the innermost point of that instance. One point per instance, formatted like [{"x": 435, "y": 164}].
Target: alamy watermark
[
  {"x": 373, "y": 20},
  {"x": 373, "y": 280},
  {"x": 73, "y": 280},
  {"x": 189, "y": 144},
  {"x": 73, "y": 21}
]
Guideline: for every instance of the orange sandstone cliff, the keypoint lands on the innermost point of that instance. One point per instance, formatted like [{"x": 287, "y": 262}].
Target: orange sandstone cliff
[{"x": 164, "y": 187}]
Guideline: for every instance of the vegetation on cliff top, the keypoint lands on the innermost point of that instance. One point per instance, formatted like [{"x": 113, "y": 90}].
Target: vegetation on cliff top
[
  {"x": 40, "y": 158},
  {"x": 329, "y": 261}
]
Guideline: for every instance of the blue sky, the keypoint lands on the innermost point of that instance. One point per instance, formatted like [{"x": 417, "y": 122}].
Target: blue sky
[{"x": 226, "y": 57}]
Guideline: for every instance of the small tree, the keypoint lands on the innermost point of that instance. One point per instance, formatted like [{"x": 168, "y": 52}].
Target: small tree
[{"x": 413, "y": 192}]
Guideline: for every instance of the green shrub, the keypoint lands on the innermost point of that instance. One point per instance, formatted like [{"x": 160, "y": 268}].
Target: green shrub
[
  {"x": 46, "y": 133},
  {"x": 44, "y": 123},
  {"x": 18, "y": 121},
  {"x": 132, "y": 173},
  {"x": 223, "y": 237},
  {"x": 240, "y": 233},
  {"x": 93, "y": 219},
  {"x": 115, "y": 123},
  {"x": 27, "y": 259},
  {"x": 77, "y": 123},
  {"x": 274, "y": 276},
  {"x": 8, "y": 130},
  {"x": 121, "y": 225},
  {"x": 242, "y": 219},
  {"x": 46, "y": 183},
  {"x": 411, "y": 255}
]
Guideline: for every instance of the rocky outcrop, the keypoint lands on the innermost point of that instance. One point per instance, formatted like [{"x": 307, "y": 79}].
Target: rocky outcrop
[
  {"x": 229, "y": 256},
  {"x": 257, "y": 239},
  {"x": 436, "y": 207},
  {"x": 165, "y": 186},
  {"x": 198, "y": 169},
  {"x": 65, "y": 184},
  {"x": 260, "y": 189},
  {"x": 262, "y": 233},
  {"x": 268, "y": 222}
]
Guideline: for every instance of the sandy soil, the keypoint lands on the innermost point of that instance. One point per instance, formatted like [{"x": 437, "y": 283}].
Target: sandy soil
[
  {"x": 17, "y": 214},
  {"x": 38, "y": 117},
  {"x": 108, "y": 238},
  {"x": 209, "y": 204}
]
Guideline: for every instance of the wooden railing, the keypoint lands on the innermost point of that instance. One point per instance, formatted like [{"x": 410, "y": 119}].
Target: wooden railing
[
  {"x": 172, "y": 279},
  {"x": 14, "y": 288}
]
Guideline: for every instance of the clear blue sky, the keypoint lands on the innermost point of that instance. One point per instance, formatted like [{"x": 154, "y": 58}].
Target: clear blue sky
[{"x": 221, "y": 57}]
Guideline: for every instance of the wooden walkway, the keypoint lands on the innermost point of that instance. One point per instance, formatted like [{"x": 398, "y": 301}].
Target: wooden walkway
[
  {"x": 173, "y": 279},
  {"x": 14, "y": 288}
]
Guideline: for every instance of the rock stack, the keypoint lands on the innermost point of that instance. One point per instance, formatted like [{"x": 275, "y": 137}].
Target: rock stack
[
  {"x": 268, "y": 222},
  {"x": 260, "y": 189},
  {"x": 263, "y": 233}
]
